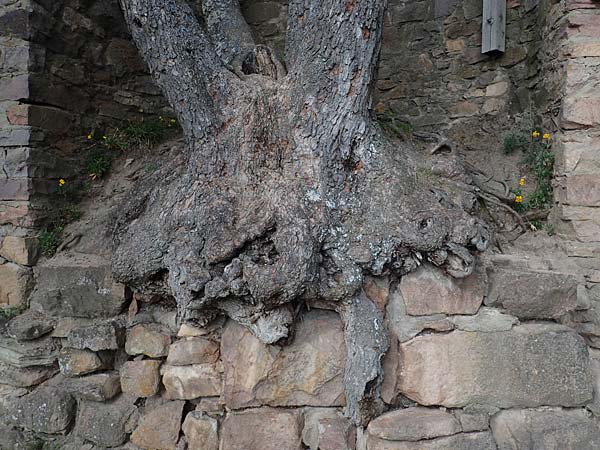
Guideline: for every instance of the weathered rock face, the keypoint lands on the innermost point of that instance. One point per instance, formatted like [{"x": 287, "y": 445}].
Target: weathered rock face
[
  {"x": 96, "y": 337},
  {"x": 22, "y": 250},
  {"x": 29, "y": 325},
  {"x": 106, "y": 424},
  {"x": 16, "y": 284},
  {"x": 149, "y": 340},
  {"x": 189, "y": 382},
  {"x": 194, "y": 350},
  {"x": 75, "y": 362},
  {"x": 99, "y": 387},
  {"x": 532, "y": 294},
  {"x": 77, "y": 286},
  {"x": 25, "y": 376},
  {"x": 414, "y": 424},
  {"x": 45, "y": 410},
  {"x": 201, "y": 432},
  {"x": 548, "y": 429},
  {"x": 41, "y": 352},
  {"x": 159, "y": 428},
  {"x": 502, "y": 369},
  {"x": 429, "y": 290},
  {"x": 246, "y": 430},
  {"x": 307, "y": 372},
  {"x": 140, "y": 378}
]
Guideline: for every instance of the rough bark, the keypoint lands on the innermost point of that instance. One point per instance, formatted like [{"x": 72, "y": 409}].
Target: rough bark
[{"x": 287, "y": 191}]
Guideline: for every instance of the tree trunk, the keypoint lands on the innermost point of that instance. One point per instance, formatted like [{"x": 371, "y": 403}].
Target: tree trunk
[{"x": 288, "y": 192}]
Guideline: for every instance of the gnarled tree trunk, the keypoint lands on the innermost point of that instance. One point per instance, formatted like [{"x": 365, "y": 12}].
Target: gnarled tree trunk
[{"x": 288, "y": 191}]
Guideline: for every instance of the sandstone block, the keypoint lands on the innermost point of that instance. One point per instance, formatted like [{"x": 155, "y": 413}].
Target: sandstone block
[
  {"x": 201, "y": 432},
  {"x": 140, "y": 378},
  {"x": 462, "y": 441},
  {"x": 74, "y": 362},
  {"x": 548, "y": 429},
  {"x": 77, "y": 286},
  {"x": 327, "y": 429},
  {"x": 189, "y": 382},
  {"x": 429, "y": 290},
  {"x": 580, "y": 112},
  {"x": 531, "y": 365},
  {"x": 16, "y": 284},
  {"x": 106, "y": 424},
  {"x": 96, "y": 337},
  {"x": 487, "y": 319},
  {"x": 22, "y": 250},
  {"x": 29, "y": 326},
  {"x": 147, "y": 340},
  {"x": 309, "y": 371},
  {"x": 98, "y": 387},
  {"x": 195, "y": 350},
  {"x": 262, "y": 429},
  {"x": 583, "y": 190},
  {"x": 159, "y": 428},
  {"x": 532, "y": 294},
  {"x": 413, "y": 424}
]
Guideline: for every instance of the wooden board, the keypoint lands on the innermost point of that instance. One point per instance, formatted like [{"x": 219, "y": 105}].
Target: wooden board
[{"x": 493, "y": 31}]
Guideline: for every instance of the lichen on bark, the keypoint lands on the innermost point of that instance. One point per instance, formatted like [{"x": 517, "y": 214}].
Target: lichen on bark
[{"x": 287, "y": 190}]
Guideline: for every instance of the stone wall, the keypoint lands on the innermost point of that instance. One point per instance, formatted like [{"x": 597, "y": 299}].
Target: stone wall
[{"x": 67, "y": 69}]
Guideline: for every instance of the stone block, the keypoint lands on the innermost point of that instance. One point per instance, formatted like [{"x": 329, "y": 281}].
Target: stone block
[
  {"x": 77, "y": 286},
  {"x": 15, "y": 188},
  {"x": 45, "y": 410},
  {"x": 531, "y": 365},
  {"x": 106, "y": 424},
  {"x": 98, "y": 387},
  {"x": 201, "y": 432},
  {"x": 140, "y": 378},
  {"x": 159, "y": 428},
  {"x": 96, "y": 337},
  {"x": 582, "y": 190},
  {"x": 189, "y": 382},
  {"x": 195, "y": 350},
  {"x": 29, "y": 326},
  {"x": 150, "y": 340},
  {"x": 487, "y": 319},
  {"x": 548, "y": 429},
  {"x": 21, "y": 250},
  {"x": 308, "y": 372},
  {"x": 75, "y": 362},
  {"x": 413, "y": 424},
  {"x": 26, "y": 376},
  {"x": 262, "y": 429},
  {"x": 532, "y": 294},
  {"x": 462, "y": 441},
  {"x": 578, "y": 112},
  {"x": 14, "y": 87},
  {"x": 429, "y": 290},
  {"x": 41, "y": 352},
  {"x": 327, "y": 429}
]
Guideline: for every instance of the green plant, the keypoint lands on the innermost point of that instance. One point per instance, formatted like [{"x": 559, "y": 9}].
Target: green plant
[
  {"x": 393, "y": 125},
  {"x": 515, "y": 140},
  {"x": 98, "y": 163},
  {"x": 9, "y": 312},
  {"x": 49, "y": 241},
  {"x": 148, "y": 132},
  {"x": 539, "y": 159}
]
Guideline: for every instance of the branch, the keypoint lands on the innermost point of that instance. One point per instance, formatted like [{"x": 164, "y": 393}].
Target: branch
[{"x": 182, "y": 60}]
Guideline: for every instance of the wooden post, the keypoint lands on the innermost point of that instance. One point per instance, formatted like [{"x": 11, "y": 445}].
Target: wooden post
[{"x": 493, "y": 31}]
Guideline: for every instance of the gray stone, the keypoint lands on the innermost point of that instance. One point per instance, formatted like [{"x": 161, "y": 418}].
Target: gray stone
[
  {"x": 487, "y": 319},
  {"x": 46, "y": 410},
  {"x": 41, "y": 352},
  {"x": 462, "y": 441},
  {"x": 201, "y": 431},
  {"x": 545, "y": 429},
  {"x": 98, "y": 387},
  {"x": 429, "y": 290},
  {"x": 96, "y": 337},
  {"x": 472, "y": 421},
  {"x": 75, "y": 362},
  {"x": 532, "y": 294},
  {"x": 327, "y": 429},
  {"x": 25, "y": 376},
  {"x": 308, "y": 372},
  {"x": 106, "y": 424},
  {"x": 30, "y": 325},
  {"x": 413, "y": 424},
  {"x": 77, "y": 286},
  {"x": 529, "y": 366}
]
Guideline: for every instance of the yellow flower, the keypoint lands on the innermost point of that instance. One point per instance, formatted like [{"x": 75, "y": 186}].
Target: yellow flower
[
  {"x": 522, "y": 182},
  {"x": 161, "y": 118},
  {"x": 519, "y": 199},
  {"x": 536, "y": 134},
  {"x": 90, "y": 136},
  {"x": 104, "y": 137},
  {"x": 172, "y": 121},
  {"x": 61, "y": 182},
  {"x": 546, "y": 136}
]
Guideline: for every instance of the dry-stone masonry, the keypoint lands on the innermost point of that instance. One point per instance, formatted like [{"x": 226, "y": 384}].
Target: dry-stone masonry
[{"x": 505, "y": 359}]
